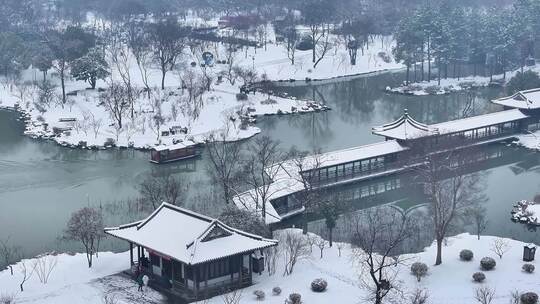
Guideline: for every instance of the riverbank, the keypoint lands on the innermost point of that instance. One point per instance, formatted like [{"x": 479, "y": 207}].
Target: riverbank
[
  {"x": 452, "y": 85},
  {"x": 72, "y": 282}
]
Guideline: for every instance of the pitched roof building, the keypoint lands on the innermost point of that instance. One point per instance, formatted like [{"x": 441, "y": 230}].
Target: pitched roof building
[{"x": 192, "y": 253}]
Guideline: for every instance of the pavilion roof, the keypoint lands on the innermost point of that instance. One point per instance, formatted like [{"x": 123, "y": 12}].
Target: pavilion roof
[
  {"x": 187, "y": 236},
  {"x": 405, "y": 128},
  {"x": 528, "y": 99}
]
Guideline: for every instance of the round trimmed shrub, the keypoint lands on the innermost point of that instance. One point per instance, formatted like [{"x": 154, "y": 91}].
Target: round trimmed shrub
[
  {"x": 276, "y": 291},
  {"x": 487, "y": 263},
  {"x": 528, "y": 268},
  {"x": 295, "y": 298},
  {"x": 419, "y": 270},
  {"x": 319, "y": 285},
  {"x": 529, "y": 298},
  {"x": 259, "y": 294},
  {"x": 466, "y": 255},
  {"x": 479, "y": 277}
]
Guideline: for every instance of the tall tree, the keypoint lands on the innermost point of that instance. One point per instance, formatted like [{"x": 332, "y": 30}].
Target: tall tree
[
  {"x": 168, "y": 42},
  {"x": 450, "y": 190},
  {"x": 67, "y": 46}
]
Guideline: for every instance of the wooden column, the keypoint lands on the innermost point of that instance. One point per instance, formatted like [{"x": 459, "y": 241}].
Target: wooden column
[
  {"x": 196, "y": 280},
  {"x": 240, "y": 273},
  {"x": 131, "y": 253}
]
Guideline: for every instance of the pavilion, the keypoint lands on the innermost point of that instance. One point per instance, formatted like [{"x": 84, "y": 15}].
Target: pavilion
[{"x": 190, "y": 254}]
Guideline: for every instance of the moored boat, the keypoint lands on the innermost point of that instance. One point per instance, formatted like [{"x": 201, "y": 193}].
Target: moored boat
[{"x": 175, "y": 152}]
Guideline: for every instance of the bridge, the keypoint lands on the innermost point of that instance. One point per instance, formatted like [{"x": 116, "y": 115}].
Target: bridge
[{"x": 406, "y": 144}]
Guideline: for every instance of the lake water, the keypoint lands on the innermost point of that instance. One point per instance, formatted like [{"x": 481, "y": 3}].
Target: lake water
[{"x": 41, "y": 183}]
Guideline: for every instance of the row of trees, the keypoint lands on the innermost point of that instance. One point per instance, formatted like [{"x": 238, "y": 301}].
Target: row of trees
[{"x": 497, "y": 38}]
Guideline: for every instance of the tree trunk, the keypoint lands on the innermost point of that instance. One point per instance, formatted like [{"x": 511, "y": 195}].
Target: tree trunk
[
  {"x": 407, "y": 77},
  {"x": 438, "y": 259},
  {"x": 63, "y": 84},
  {"x": 163, "y": 73},
  {"x": 330, "y": 236}
]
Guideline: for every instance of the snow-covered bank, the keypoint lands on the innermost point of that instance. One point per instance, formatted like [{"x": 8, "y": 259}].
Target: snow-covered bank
[
  {"x": 451, "y": 85},
  {"x": 449, "y": 283},
  {"x": 530, "y": 140}
]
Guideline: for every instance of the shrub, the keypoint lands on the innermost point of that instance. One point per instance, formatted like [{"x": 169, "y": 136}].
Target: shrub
[
  {"x": 295, "y": 298},
  {"x": 241, "y": 96},
  {"x": 529, "y": 268},
  {"x": 479, "y": 277},
  {"x": 109, "y": 142},
  {"x": 419, "y": 270},
  {"x": 487, "y": 263},
  {"x": 466, "y": 255},
  {"x": 529, "y": 298},
  {"x": 276, "y": 291},
  {"x": 319, "y": 285},
  {"x": 259, "y": 294}
]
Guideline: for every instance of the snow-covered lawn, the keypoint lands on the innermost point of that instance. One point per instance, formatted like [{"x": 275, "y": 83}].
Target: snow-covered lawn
[
  {"x": 449, "y": 283},
  {"x": 73, "y": 282},
  {"x": 450, "y": 85}
]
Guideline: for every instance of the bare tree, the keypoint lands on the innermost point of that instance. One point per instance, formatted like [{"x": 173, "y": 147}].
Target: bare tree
[
  {"x": 168, "y": 43},
  {"x": 95, "y": 123},
  {"x": 500, "y": 246},
  {"x": 247, "y": 74},
  {"x": 224, "y": 162},
  {"x": 291, "y": 41},
  {"x": 484, "y": 295},
  {"x": 477, "y": 216},
  {"x": 260, "y": 169},
  {"x": 515, "y": 297},
  {"x": 164, "y": 188},
  {"x": 271, "y": 255},
  {"x": 9, "y": 254},
  {"x": 232, "y": 297},
  {"x": 195, "y": 87},
  {"x": 378, "y": 235},
  {"x": 86, "y": 226},
  {"x": 294, "y": 248},
  {"x": 321, "y": 244},
  {"x": 120, "y": 57},
  {"x": 44, "y": 266},
  {"x": 306, "y": 167},
  {"x": 26, "y": 272},
  {"x": 450, "y": 191},
  {"x": 419, "y": 296},
  {"x": 116, "y": 102},
  {"x": 140, "y": 45},
  {"x": 158, "y": 119}
]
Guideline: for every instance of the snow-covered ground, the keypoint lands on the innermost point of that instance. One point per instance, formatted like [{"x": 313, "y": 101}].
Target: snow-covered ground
[
  {"x": 219, "y": 110},
  {"x": 449, "y": 283},
  {"x": 71, "y": 281},
  {"x": 530, "y": 140},
  {"x": 526, "y": 212},
  {"x": 450, "y": 85}
]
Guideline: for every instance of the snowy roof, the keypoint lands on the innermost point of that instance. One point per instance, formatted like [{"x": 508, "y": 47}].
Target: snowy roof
[
  {"x": 479, "y": 121},
  {"x": 187, "y": 236},
  {"x": 529, "y": 99},
  {"x": 287, "y": 179},
  {"x": 408, "y": 128},
  {"x": 180, "y": 145},
  {"x": 404, "y": 128},
  {"x": 359, "y": 153}
]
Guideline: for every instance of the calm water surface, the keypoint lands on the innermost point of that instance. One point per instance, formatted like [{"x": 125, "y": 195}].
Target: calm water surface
[{"x": 41, "y": 183}]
